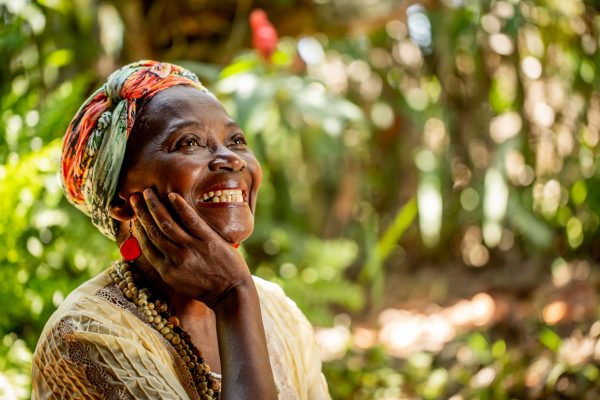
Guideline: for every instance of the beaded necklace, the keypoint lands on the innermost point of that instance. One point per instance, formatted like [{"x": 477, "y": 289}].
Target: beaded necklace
[{"x": 157, "y": 314}]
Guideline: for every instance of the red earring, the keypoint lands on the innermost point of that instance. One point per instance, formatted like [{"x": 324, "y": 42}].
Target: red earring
[{"x": 130, "y": 249}]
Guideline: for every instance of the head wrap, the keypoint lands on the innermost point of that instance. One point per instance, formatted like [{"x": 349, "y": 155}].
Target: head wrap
[{"x": 94, "y": 145}]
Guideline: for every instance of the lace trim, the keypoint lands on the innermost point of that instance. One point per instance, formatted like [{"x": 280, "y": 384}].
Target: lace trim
[
  {"x": 113, "y": 295},
  {"x": 79, "y": 354}
]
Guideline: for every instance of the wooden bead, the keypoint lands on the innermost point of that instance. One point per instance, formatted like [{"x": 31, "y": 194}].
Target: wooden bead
[{"x": 123, "y": 277}]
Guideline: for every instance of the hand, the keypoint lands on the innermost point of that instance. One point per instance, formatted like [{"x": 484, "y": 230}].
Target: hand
[{"x": 193, "y": 259}]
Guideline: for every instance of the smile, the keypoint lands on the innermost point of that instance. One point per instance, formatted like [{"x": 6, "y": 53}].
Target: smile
[{"x": 223, "y": 196}]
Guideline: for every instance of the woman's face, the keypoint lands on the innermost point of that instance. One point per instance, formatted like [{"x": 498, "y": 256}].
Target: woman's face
[{"x": 185, "y": 142}]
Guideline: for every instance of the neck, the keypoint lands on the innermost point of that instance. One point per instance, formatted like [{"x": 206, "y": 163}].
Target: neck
[{"x": 178, "y": 305}]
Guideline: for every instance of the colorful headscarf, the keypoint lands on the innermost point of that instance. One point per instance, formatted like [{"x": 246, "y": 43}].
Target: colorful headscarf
[{"x": 94, "y": 145}]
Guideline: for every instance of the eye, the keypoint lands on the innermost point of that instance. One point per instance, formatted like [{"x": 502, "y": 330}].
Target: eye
[
  {"x": 238, "y": 140},
  {"x": 189, "y": 142}
]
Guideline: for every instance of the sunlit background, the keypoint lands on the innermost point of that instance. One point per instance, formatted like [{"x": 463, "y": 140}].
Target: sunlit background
[{"x": 431, "y": 195}]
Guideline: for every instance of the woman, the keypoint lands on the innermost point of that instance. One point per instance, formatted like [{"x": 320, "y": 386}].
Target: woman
[{"x": 155, "y": 161}]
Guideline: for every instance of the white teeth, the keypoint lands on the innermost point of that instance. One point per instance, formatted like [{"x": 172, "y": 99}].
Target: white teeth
[{"x": 224, "y": 196}]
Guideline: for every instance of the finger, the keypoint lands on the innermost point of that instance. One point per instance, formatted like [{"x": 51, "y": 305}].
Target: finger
[
  {"x": 195, "y": 225},
  {"x": 149, "y": 250},
  {"x": 163, "y": 219},
  {"x": 151, "y": 229}
]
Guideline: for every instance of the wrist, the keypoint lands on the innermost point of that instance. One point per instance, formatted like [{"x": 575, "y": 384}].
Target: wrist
[{"x": 235, "y": 298}]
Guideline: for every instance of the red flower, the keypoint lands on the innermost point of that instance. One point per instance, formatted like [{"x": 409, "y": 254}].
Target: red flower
[{"x": 264, "y": 35}]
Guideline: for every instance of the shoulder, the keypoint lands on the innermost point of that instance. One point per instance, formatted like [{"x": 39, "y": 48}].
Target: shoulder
[
  {"x": 280, "y": 310},
  {"x": 93, "y": 341},
  {"x": 83, "y": 316},
  {"x": 274, "y": 300},
  {"x": 82, "y": 293}
]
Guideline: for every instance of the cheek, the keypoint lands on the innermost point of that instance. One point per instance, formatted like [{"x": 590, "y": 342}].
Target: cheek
[
  {"x": 179, "y": 176},
  {"x": 256, "y": 172}
]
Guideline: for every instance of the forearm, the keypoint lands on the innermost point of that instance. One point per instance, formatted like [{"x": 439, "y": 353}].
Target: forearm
[{"x": 246, "y": 370}]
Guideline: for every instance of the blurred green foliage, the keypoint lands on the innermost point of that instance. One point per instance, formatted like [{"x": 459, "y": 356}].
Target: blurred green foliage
[{"x": 453, "y": 136}]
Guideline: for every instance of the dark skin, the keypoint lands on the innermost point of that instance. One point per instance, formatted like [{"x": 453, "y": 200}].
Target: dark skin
[{"x": 183, "y": 146}]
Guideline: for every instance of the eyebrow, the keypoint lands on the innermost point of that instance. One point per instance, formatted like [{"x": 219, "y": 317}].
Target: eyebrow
[
  {"x": 232, "y": 124},
  {"x": 182, "y": 124}
]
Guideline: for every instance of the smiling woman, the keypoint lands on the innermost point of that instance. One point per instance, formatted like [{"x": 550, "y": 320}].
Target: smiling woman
[
  {"x": 159, "y": 166},
  {"x": 196, "y": 149}
]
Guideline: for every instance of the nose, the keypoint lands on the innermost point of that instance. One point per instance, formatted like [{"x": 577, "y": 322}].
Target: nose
[{"x": 226, "y": 160}]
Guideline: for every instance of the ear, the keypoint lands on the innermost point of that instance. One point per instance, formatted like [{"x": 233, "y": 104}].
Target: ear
[{"x": 121, "y": 209}]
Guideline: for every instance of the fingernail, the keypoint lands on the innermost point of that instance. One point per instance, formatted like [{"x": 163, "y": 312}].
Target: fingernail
[
  {"x": 147, "y": 193},
  {"x": 172, "y": 196}
]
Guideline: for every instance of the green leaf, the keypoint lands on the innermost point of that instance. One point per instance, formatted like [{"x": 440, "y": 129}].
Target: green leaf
[{"x": 550, "y": 339}]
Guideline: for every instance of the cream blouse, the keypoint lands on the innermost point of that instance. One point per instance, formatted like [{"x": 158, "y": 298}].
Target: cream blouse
[{"x": 97, "y": 345}]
